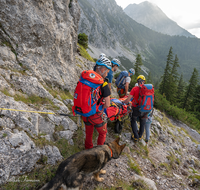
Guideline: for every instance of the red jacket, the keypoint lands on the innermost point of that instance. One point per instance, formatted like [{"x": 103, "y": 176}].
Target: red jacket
[{"x": 135, "y": 93}]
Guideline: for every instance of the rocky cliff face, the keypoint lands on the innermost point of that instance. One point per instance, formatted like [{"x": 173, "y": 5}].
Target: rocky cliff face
[
  {"x": 152, "y": 17},
  {"x": 38, "y": 63},
  {"x": 42, "y": 35},
  {"x": 103, "y": 31}
]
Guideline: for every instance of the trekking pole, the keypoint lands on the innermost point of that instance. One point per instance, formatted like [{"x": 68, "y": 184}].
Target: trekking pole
[{"x": 63, "y": 114}]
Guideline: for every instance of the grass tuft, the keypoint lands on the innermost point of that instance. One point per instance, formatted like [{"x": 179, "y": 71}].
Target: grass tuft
[
  {"x": 134, "y": 165},
  {"x": 84, "y": 53},
  {"x": 140, "y": 185}
]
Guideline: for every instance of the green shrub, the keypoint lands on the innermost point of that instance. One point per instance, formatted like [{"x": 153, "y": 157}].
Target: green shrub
[
  {"x": 162, "y": 104},
  {"x": 83, "y": 40}
]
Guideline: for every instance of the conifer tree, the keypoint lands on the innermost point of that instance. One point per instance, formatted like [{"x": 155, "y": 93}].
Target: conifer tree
[
  {"x": 190, "y": 91},
  {"x": 165, "y": 83},
  {"x": 138, "y": 65},
  {"x": 180, "y": 91},
  {"x": 174, "y": 72},
  {"x": 196, "y": 101},
  {"x": 173, "y": 81},
  {"x": 137, "y": 68}
]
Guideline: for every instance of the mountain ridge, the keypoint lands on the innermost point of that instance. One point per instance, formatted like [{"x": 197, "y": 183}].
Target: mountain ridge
[
  {"x": 151, "y": 16},
  {"x": 113, "y": 32}
]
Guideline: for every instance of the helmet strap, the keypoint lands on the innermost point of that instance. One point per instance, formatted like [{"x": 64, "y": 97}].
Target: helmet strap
[
  {"x": 140, "y": 81},
  {"x": 103, "y": 72}
]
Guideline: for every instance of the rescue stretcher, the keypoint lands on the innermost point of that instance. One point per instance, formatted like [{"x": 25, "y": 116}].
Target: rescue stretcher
[{"x": 117, "y": 112}]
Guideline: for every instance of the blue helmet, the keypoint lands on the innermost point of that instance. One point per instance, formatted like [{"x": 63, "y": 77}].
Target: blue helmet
[
  {"x": 132, "y": 71},
  {"x": 104, "y": 62},
  {"x": 116, "y": 62}
]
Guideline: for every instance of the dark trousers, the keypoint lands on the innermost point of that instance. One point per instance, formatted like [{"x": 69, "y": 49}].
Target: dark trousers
[{"x": 142, "y": 118}]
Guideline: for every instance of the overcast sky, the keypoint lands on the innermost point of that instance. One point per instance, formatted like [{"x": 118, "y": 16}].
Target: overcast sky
[{"x": 185, "y": 13}]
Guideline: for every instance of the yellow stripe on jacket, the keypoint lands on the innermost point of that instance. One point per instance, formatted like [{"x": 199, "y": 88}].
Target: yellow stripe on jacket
[{"x": 104, "y": 84}]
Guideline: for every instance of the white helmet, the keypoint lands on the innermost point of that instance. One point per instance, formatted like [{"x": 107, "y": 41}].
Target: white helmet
[
  {"x": 102, "y": 55},
  {"x": 104, "y": 62},
  {"x": 116, "y": 62}
]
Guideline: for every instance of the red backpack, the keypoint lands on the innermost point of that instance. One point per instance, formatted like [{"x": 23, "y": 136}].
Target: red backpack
[
  {"x": 87, "y": 93},
  {"x": 146, "y": 97}
]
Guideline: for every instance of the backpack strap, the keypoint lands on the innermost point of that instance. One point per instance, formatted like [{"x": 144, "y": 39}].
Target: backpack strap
[
  {"x": 121, "y": 80},
  {"x": 73, "y": 110},
  {"x": 140, "y": 86},
  {"x": 134, "y": 100}
]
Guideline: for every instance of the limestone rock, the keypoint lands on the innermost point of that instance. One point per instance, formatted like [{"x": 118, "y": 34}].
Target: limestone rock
[
  {"x": 69, "y": 101},
  {"x": 151, "y": 184},
  {"x": 8, "y": 58},
  {"x": 45, "y": 42},
  {"x": 6, "y": 122},
  {"x": 3, "y": 84},
  {"x": 65, "y": 134},
  {"x": 45, "y": 126},
  {"x": 21, "y": 141},
  {"x": 61, "y": 105},
  {"x": 69, "y": 124},
  {"x": 30, "y": 86},
  {"x": 33, "y": 123},
  {"x": 18, "y": 154},
  {"x": 53, "y": 154},
  {"x": 184, "y": 172}
]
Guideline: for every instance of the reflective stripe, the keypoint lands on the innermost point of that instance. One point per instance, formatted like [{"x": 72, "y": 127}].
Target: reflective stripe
[{"x": 104, "y": 84}]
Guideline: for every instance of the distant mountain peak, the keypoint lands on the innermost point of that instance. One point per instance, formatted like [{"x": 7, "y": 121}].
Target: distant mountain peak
[{"x": 151, "y": 16}]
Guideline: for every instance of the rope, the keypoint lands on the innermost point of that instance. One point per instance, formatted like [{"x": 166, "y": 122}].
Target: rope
[{"x": 62, "y": 114}]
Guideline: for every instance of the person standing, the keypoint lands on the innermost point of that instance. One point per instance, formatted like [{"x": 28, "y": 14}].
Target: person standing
[
  {"x": 100, "y": 56},
  {"x": 97, "y": 120},
  {"x": 122, "y": 82},
  {"x": 147, "y": 127},
  {"x": 135, "y": 110},
  {"x": 115, "y": 64}
]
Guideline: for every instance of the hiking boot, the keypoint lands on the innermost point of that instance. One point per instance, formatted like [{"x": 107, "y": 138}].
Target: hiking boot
[
  {"x": 135, "y": 140},
  {"x": 132, "y": 137},
  {"x": 146, "y": 141},
  {"x": 141, "y": 137}
]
